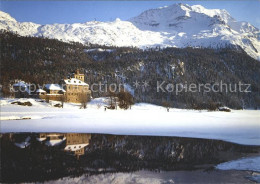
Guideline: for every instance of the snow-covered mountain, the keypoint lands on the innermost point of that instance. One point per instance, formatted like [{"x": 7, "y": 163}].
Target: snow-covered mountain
[{"x": 177, "y": 25}]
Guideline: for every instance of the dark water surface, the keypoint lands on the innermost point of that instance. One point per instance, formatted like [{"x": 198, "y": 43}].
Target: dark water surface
[{"x": 31, "y": 157}]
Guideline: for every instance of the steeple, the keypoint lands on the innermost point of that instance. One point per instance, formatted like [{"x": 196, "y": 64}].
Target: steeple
[{"x": 79, "y": 75}]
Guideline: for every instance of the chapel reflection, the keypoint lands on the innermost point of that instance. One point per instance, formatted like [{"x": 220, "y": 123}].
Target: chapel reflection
[
  {"x": 75, "y": 143},
  {"x": 72, "y": 143}
]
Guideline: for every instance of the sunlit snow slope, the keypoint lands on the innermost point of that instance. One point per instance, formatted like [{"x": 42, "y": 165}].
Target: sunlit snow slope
[{"x": 177, "y": 25}]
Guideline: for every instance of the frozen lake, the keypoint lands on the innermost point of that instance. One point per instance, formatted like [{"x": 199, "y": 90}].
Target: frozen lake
[{"x": 239, "y": 126}]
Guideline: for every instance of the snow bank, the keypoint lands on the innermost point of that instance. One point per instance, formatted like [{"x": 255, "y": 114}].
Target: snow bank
[
  {"x": 239, "y": 126},
  {"x": 244, "y": 164}
]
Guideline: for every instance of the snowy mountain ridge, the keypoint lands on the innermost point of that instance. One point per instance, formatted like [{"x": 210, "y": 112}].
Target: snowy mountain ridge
[{"x": 178, "y": 25}]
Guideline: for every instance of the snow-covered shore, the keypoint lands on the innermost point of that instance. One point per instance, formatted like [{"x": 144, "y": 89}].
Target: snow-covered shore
[
  {"x": 244, "y": 164},
  {"x": 239, "y": 126}
]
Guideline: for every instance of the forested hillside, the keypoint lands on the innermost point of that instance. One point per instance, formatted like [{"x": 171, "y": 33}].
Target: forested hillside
[{"x": 41, "y": 61}]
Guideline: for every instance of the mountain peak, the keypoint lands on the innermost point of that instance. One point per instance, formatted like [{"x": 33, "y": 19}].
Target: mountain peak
[
  {"x": 177, "y": 25},
  {"x": 177, "y": 13},
  {"x": 117, "y": 20},
  {"x": 6, "y": 17}
]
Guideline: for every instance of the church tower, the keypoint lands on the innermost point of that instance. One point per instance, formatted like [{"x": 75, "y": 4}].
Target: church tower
[{"x": 79, "y": 75}]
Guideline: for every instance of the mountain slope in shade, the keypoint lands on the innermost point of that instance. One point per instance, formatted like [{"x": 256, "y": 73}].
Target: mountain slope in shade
[{"x": 177, "y": 25}]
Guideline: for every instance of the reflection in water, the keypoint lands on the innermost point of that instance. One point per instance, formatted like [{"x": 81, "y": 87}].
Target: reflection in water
[
  {"x": 32, "y": 157},
  {"x": 75, "y": 143}
]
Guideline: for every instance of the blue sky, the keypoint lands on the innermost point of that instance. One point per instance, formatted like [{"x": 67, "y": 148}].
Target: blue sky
[{"x": 49, "y": 12}]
